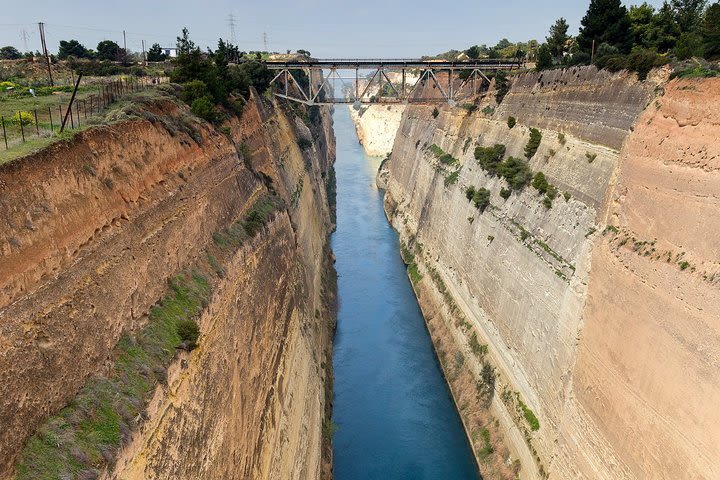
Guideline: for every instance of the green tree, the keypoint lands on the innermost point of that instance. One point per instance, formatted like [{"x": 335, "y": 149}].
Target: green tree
[
  {"x": 606, "y": 21},
  {"x": 504, "y": 43},
  {"x": 209, "y": 81},
  {"x": 108, "y": 50},
  {"x": 473, "y": 52},
  {"x": 688, "y": 45},
  {"x": 9, "y": 53},
  {"x": 502, "y": 86},
  {"x": 544, "y": 58},
  {"x": 665, "y": 30},
  {"x": 710, "y": 32},
  {"x": 481, "y": 199},
  {"x": 540, "y": 182},
  {"x": 184, "y": 45},
  {"x": 72, "y": 48},
  {"x": 688, "y": 13},
  {"x": 654, "y": 29},
  {"x": 155, "y": 54},
  {"x": 558, "y": 38}
]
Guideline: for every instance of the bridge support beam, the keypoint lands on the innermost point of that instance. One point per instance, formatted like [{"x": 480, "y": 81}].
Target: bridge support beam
[{"x": 320, "y": 91}]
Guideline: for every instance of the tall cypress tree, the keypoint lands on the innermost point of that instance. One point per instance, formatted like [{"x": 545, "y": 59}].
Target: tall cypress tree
[
  {"x": 558, "y": 37},
  {"x": 606, "y": 21},
  {"x": 710, "y": 32},
  {"x": 688, "y": 13}
]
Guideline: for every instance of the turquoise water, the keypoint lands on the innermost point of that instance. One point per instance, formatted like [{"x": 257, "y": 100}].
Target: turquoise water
[{"x": 394, "y": 411}]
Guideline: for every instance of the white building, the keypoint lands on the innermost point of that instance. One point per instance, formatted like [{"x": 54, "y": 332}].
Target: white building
[{"x": 171, "y": 52}]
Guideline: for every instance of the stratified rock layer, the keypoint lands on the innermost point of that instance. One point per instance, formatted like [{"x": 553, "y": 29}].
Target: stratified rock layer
[
  {"x": 615, "y": 360},
  {"x": 93, "y": 228}
]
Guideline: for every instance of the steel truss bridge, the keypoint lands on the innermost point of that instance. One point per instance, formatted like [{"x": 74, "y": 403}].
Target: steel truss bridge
[{"x": 314, "y": 82}]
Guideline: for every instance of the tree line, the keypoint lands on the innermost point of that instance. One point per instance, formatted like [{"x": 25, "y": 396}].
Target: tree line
[
  {"x": 615, "y": 37},
  {"x": 106, "y": 50}
]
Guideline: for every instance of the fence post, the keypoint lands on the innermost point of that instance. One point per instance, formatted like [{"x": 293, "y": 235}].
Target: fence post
[
  {"x": 37, "y": 126},
  {"x": 22, "y": 129},
  {"x": 69, "y": 110},
  {"x": 85, "y": 108},
  {"x": 4, "y": 133},
  {"x": 51, "y": 122},
  {"x": 77, "y": 112}
]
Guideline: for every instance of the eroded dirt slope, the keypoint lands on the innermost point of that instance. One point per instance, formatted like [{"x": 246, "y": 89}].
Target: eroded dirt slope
[{"x": 91, "y": 231}]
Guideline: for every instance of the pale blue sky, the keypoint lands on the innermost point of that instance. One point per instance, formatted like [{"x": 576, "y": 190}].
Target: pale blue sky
[{"x": 365, "y": 28}]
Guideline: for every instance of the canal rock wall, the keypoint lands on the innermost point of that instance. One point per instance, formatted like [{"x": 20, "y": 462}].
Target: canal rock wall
[
  {"x": 575, "y": 340},
  {"x": 93, "y": 229},
  {"x": 376, "y": 126}
]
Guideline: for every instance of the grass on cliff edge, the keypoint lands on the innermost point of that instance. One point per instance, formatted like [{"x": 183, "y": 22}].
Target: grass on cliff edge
[
  {"x": 125, "y": 108},
  {"x": 86, "y": 433}
]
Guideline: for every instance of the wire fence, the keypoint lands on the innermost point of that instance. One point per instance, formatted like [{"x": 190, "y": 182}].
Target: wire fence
[{"x": 47, "y": 121}]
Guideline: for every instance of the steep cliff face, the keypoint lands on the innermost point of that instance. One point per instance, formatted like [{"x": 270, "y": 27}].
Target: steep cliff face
[
  {"x": 645, "y": 380},
  {"x": 376, "y": 127},
  {"x": 92, "y": 230},
  {"x": 505, "y": 289}
]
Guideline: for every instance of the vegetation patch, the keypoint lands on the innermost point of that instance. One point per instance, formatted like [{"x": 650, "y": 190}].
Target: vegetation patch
[
  {"x": 502, "y": 86},
  {"x": 84, "y": 435},
  {"x": 452, "y": 178},
  {"x": 480, "y": 197},
  {"x": 511, "y": 122},
  {"x": 442, "y": 156},
  {"x": 256, "y": 218},
  {"x": 487, "y": 448},
  {"x": 533, "y": 144},
  {"x": 490, "y": 157},
  {"x": 529, "y": 416}
]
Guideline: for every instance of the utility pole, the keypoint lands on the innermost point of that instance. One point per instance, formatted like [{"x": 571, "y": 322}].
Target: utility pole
[
  {"x": 124, "y": 43},
  {"x": 41, "y": 27},
  {"x": 144, "y": 55}
]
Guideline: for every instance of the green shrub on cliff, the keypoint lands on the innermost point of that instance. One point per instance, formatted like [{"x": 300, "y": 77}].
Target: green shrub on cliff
[
  {"x": 516, "y": 172},
  {"x": 502, "y": 86},
  {"x": 533, "y": 144},
  {"x": 511, "y": 122},
  {"x": 469, "y": 192},
  {"x": 540, "y": 183},
  {"x": 204, "y": 108},
  {"x": 490, "y": 157},
  {"x": 209, "y": 76},
  {"x": 481, "y": 199},
  {"x": 189, "y": 332},
  {"x": 529, "y": 416}
]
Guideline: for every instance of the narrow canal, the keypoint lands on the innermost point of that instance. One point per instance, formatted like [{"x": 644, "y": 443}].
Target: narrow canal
[{"x": 395, "y": 415}]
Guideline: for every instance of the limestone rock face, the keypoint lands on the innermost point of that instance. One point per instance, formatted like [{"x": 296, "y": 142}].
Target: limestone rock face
[
  {"x": 376, "y": 127},
  {"x": 91, "y": 231},
  {"x": 607, "y": 345},
  {"x": 645, "y": 379}
]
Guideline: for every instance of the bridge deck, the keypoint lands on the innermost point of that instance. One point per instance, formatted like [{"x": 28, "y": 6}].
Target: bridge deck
[{"x": 341, "y": 63}]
